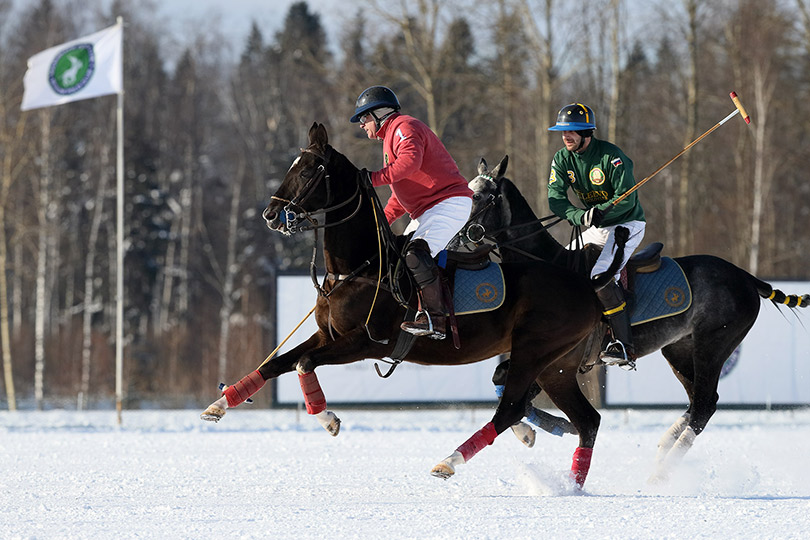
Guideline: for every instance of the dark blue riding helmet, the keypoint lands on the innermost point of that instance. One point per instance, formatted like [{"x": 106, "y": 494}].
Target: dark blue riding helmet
[
  {"x": 575, "y": 117},
  {"x": 373, "y": 98}
]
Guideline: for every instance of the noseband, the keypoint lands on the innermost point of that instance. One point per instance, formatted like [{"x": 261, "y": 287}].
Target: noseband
[{"x": 294, "y": 212}]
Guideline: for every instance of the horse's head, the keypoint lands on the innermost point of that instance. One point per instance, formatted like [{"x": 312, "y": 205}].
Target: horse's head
[
  {"x": 305, "y": 189},
  {"x": 490, "y": 212}
]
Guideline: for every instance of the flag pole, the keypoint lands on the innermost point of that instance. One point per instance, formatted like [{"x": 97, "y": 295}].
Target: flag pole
[{"x": 119, "y": 278}]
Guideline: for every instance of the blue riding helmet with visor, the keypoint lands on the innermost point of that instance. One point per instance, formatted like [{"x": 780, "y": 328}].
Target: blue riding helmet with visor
[{"x": 575, "y": 117}]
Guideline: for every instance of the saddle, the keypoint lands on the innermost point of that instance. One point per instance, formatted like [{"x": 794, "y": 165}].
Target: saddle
[
  {"x": 646, "y": 261},
  {"x": 473, "y": 260}
]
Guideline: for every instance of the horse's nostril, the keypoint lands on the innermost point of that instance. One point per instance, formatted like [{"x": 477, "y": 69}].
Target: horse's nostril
[{"x": 269, "y": 215}]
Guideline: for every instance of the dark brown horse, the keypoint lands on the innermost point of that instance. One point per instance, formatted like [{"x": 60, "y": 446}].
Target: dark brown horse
[
  {"x": 696, "y": 343},
  {"x": 547, "y": 310}
]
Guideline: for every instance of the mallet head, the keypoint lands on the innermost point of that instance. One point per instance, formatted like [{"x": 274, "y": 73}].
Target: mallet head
[{"x": 740, "y": 108}]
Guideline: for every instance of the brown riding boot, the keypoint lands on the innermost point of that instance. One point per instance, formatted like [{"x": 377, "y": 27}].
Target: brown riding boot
[{"x": 431, "y": 319}]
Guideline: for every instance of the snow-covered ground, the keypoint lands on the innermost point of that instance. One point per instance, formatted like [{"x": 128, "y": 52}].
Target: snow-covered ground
[{"x": 273, "y": 474}]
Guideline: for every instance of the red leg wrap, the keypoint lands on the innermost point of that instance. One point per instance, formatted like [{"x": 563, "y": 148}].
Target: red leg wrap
[
  {"x": 581, "y": 465},
  {"x": 313, "y": 395},
  {"x": 246, "y": 387},
  {"x": 483, "y": 437}
]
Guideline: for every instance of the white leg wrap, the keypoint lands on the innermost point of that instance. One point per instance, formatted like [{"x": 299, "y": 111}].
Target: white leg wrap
[
  {"x": 681, "y": 446},
  {"x": 674, "y": 456},
  {"x": 671, "y": 435}
]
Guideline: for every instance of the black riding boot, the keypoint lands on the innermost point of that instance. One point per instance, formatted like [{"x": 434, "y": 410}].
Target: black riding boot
[
  {"x": 431, "y": 319},
  {"x": 620, "y": 351}
]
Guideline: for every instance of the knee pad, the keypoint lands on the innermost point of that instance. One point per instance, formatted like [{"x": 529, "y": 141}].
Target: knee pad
[{"x": 419, "y": 261}]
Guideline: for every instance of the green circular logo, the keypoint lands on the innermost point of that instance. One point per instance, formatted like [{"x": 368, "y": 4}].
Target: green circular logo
[{"x": 72, "y": 69}]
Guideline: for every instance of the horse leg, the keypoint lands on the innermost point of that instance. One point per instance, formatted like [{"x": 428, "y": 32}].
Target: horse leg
[
  {"x": 522, "y": 430},
  {"x": 563, "y": 388},
  {"x": 509, "y": 412},
  {"x": 350, "y": 347},
  {"x": 679, "y": 355},
  {"x": 540, "y": 418},
  {"x": 690, "y": 425},
  {"x": 709, "y": 351},
  {"x": 251, "y": 383}
]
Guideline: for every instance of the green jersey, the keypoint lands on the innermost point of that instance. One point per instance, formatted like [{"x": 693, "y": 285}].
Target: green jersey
[{"x": 598, "y": 176}]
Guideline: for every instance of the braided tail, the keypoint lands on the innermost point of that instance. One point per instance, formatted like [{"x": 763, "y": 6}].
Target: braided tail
[{"x": 778, "y": 297}]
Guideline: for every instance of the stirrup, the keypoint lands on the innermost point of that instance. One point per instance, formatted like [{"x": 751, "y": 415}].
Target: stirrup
[
  {"x": 615, "y": 354},
  {"x": 430, "y": 331}
]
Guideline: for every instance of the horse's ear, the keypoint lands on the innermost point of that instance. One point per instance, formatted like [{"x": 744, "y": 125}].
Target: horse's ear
[
  {"x": 500, "y": 170},
  {"x": 318, "y": 136},
  {"x": 482, "y": 167}
]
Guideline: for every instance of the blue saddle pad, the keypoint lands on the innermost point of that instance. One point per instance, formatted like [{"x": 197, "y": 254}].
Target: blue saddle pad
[
  {"x": 660, "y": 294},
  {"x": 476, "y": 291}
]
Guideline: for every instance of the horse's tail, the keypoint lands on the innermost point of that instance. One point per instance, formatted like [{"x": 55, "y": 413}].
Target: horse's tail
[
  {"x": 601, "y": 280},
  {"x": 776, "y": 296}
]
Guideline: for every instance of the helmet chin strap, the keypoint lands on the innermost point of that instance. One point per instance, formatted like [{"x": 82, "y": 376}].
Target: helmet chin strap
[{"x": 583, "y": 134}]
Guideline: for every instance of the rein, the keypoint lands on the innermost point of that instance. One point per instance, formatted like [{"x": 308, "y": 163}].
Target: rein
[{"x": 385, "y": 237}]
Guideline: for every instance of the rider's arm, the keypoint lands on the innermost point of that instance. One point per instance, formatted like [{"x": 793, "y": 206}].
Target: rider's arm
[
  {"x": 393, "y": 210},
  {"x": 558, "y": 195}
]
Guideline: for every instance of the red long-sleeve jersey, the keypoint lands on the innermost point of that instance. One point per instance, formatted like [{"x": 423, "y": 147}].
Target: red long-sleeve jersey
[{"x": 417, "y": 166}]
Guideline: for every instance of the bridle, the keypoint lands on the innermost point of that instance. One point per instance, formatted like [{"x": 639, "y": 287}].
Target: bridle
[
  {"x": 474, "y": 232},
  {"x": 294, "y": 213}
]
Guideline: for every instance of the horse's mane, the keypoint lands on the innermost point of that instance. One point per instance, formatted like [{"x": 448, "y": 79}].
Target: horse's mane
[{"x": 517, "y": 202}]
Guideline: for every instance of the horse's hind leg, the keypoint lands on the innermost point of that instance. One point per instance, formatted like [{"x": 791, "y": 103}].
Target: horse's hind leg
[
  {"x": 545, "y": 421},
  {"x": 709, "y": 351}
]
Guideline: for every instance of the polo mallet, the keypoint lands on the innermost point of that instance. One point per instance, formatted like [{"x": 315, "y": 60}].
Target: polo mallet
[{"x": 739, "y": 109}]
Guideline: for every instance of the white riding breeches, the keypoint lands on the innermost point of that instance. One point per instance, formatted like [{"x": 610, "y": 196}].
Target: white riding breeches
[
  {"x": 440, "y": 223},
  {"x": 605, "y": 237}
]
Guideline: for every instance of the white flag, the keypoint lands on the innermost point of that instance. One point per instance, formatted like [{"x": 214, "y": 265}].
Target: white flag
[{"x": 87, "y": 67}]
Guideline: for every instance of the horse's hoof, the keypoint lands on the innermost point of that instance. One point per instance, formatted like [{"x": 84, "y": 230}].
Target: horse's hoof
[
  {"x": 524, "y": 433},
  {"x": 329, "y": 421},
  {"x": 443, "y": 470},
  {"x": 213, "y": 413},
  {"x": 334, "y": 427}
]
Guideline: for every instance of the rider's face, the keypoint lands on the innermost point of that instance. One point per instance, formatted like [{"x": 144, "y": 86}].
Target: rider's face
[
  {"x": 571, "y": 140},
  {"x": 369, "y": 125}
]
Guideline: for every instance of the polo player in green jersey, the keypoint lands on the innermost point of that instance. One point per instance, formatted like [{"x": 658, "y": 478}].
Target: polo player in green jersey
[{"x": 598, "y": 172}]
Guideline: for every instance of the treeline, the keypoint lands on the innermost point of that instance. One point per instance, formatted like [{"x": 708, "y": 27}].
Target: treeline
[{"x": 208, "y": 139}]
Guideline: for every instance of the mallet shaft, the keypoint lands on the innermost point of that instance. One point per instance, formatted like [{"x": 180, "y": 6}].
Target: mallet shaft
[{"x": 739, "y": 109}]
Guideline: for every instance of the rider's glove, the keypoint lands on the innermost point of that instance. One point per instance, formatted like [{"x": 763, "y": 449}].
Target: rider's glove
[{"x": 593, "y": 217}]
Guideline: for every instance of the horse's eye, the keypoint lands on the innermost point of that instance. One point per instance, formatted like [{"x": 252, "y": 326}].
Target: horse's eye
[{"x": 476, "y": 196}]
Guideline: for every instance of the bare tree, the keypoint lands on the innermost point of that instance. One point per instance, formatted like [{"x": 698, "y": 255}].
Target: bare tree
[{"x": 684, "y": 207}]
